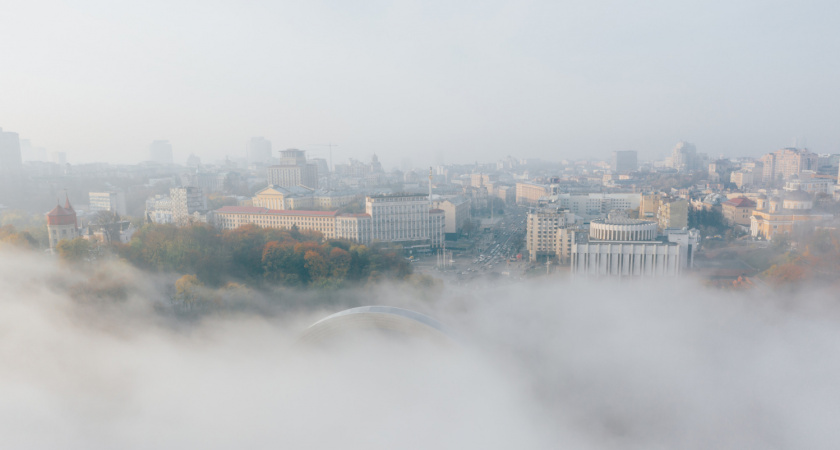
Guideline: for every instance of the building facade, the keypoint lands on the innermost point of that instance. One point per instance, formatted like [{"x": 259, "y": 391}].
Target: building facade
[
  {"x": 293, "y": 170},
  {"x": 107, "y": 201},
  {"x": 624, "y": 161},
  {"x": 787, "y": 163},
  {"x": 457, "y": 210},
  {"x": 10, "y": 154},
  {"x": 622, "y": 247},
  {"x": 186, "y": 201},
  {"x": 738, "y": 211},
  {"x": 402, "y": 218}
]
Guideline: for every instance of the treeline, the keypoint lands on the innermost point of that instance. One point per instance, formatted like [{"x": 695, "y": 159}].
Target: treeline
[
  {"x": 259, "y": 256},
  {"x": 9, "y": 235},
  {"x": 814, "y": 260}
]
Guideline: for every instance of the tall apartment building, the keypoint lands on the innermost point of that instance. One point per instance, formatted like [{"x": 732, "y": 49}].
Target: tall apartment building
[
  {"x": 107, "y": 201},
  {"x": 186, "y": 201},
  {"x": 258, "y": 150},
  {"x": 293, "y": 170},
  {"x": 160, "y": 152},
  {"x": 684, "y": 157},
  {"x": 786, "y": 163},
  {"x": 543, "y": 230},
  {"x": 10, "y": 157},
  {"x": 624, "y": 161}
]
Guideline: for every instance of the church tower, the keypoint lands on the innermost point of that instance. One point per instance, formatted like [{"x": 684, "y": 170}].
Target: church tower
[{"x": 61, "y": 223}]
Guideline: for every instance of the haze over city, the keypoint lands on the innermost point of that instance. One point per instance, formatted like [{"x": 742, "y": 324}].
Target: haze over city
[
  {"x": 419, "y": 225},
  {"x": 435, "y": 82}
]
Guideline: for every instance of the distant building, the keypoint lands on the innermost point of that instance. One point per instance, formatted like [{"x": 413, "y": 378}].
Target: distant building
[
  {"x": 62, "y": 224},
  {"x": 672, "y": 213},
  {"x": 301, "y": 198},
  {"x": 186, "y": 202},
  {"x": 624, "y": 161},
  {"x": 591, "y": 206},
  {"x": 457, "y": 210},
  {"x": 530, "y": 193},
  {"x": 400, "y": 218},
  {"x": 787, "y": 163},
  {"x": 738, "y": 211},
  {"x": 159, "y": 209},
  {"x": 10, "y": 154},
  {"x": 293, "y": 170},
  {"x": 258, "y": 150},
  {"x": 684, "y": 157},
  {"x": 107, "y": 201},
  {"x": 742, "y": 178},
  {"x": 811, "y": 185},
  {"x": 784, "y": 215},
  {"x": 160, "y": 152}
]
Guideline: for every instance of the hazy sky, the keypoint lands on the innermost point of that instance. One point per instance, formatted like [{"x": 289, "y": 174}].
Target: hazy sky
[{"x": 434, "y": 81}]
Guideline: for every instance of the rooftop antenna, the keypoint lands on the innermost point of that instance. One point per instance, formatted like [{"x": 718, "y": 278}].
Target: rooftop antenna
[{"x": 430, "y": 187}]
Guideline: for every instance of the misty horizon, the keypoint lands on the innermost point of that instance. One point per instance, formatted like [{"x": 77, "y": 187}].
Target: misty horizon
[{"x": 433, "y": 82}]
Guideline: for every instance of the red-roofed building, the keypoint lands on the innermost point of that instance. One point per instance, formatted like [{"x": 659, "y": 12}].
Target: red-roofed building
[
  {"x": 737, "y": 211},
  {"x": 61, "y": 223}
]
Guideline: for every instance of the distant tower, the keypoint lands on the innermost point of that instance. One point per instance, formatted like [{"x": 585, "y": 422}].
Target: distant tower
[
  {"x": 10, "y": 159},
  {"x": 160, "y": 152},
  {"x": 430, "y": 187},
  {"x": 61, "y": 223},
  {"x": 258, "y": 150}
]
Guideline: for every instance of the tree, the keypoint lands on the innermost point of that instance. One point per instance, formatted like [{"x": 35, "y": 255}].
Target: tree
[
  {"x": 187, "y": 291},
  {"x": 76, "y": 250}
]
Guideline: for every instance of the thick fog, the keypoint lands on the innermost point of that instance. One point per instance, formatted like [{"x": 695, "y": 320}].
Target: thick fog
[{"x": 547, "y": 365}]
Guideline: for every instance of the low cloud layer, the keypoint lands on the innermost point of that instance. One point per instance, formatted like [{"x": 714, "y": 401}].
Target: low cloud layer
[{"x": 541, "y": 365}]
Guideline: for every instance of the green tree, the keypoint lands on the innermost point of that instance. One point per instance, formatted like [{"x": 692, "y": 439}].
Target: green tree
[{"x": 76, "y": 250}]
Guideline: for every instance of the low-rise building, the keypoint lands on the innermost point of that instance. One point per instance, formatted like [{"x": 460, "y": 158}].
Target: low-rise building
[
  {"x": 784, "y": 216},
  {"x": 738, "y": 211}
]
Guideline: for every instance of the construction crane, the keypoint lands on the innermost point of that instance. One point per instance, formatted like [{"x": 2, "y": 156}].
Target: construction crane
[{"x": 330, "y": 145}]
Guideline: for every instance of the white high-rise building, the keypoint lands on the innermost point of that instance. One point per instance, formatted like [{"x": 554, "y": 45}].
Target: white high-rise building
[
  {"x": 185, "y": 202},
  {"x": 107, "y": 201}
]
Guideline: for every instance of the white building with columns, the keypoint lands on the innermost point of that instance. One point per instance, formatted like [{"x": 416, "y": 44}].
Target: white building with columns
[{"x": 622, "y": 247}]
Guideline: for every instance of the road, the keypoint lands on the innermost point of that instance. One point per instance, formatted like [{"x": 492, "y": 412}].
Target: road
[{"x": 492, "y": 253}]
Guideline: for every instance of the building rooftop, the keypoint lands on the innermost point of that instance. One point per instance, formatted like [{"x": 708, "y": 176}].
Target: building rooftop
[
  {"x": 740, "y": 202},
  {"x": 261, "y": 210}
]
